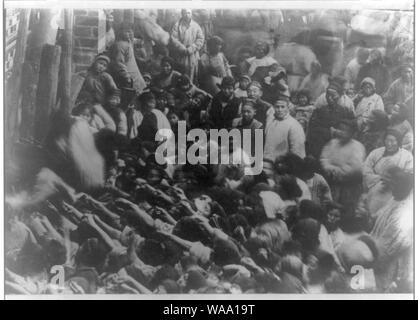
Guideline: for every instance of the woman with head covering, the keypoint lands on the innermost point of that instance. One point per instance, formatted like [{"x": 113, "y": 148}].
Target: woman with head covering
[{"x": 366, "y": 101}]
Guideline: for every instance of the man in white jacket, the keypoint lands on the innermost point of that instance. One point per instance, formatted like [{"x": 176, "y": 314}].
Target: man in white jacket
[
  {"x": 283, "y": 133},
  {"x": 342, "y": 160}
]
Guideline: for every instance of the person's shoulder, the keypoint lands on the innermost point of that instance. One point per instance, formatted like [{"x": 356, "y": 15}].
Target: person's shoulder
[
  {"x": 270, "y": 60},
  {"x": 105, "y": 75},
  {"x": 194, "y": 24},
  {"x": 358, "y": 145},
  {"x": 251, "y": 59},
  {"x": 377, "y": 152},
  {"x": 257, "y": 124},
  {"x": 405, "y": 153}
]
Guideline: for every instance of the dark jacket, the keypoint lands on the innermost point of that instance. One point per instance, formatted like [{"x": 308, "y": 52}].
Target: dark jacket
[
  {"x": 322, "y": 120},
  {"x": 221, "y": 117}
]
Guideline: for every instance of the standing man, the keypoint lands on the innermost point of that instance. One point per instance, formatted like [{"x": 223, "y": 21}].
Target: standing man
[
  {"x": 283, "y": 133},
  {"x": 187, "y": 38}
]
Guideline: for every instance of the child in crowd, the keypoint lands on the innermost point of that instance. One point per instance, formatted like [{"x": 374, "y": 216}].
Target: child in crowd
[
  {"x": 242, "y": 86},
  {"x": 303, "y": 109}
]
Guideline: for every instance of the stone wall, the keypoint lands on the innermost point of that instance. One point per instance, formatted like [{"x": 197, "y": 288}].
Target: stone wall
[{"x": 89, "y": 37}]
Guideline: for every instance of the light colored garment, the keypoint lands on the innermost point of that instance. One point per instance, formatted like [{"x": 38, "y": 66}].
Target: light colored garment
[
  {"x": 186, "y": 35},
  {"x": 365, "y": 107},
  {"x": 343, "y": 159},
  {"x": 254, "y": 63},
  {"x": 239, "y": 93},
  {"x": 377, "y": 163},
  {"x": 337, "y": 237},
  {"x": 398, "y": 92},
  {"x": 283, "y": 136},
  {"x": 124, "y": 65},
  {"x": 102, "y": 119},
  {"x": 272, "y": 203},
  {"x": 344, "y": 101},
  {"x": 134, "y": 118},
  {"x": 393, "y": 233},
  {"x": 316, "y": 86},
  {"x": 351, "y": 71},
  {"x": 216, "y": 65},
  {"x": 325, "y": 244},
  {"x": 407, "y": 133},
  {"x": 320, "y": 190},
  {"x": 306, "y": 193}
]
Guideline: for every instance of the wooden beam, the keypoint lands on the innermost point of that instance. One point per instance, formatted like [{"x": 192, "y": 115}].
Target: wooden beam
[
  {"x": 13, "y": 86},
  {"x": 42, "y": 32},
  {"x": 46, "y": 95},
  {"x": 66, "y": 104}
]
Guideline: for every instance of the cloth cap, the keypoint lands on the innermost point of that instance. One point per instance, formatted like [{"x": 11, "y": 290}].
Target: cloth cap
[
  {"x": 369, "y": 81},
  {"x": 102, "y": 57}
]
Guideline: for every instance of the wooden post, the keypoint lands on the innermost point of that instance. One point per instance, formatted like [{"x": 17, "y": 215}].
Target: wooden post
[
  {"x": 13, "y": 87},
  {"x": 47, "y": 89},
  {"x": 66, "y": 104},
  {"x": 42, "y": 32}
]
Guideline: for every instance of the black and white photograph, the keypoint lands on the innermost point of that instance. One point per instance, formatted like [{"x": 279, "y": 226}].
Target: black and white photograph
[{"x": 222, "y": 148}]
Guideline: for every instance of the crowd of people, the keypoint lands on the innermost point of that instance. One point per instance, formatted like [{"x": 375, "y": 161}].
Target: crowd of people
[{"x": 332, "y": 205}]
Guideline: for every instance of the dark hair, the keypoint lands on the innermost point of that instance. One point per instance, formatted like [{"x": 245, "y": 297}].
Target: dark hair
[
  {"x": 146, "y": 97},
  {"x": 152, "y": 252},
  {"x": 403, "y": 182},
  {"x": 213, "y": 42},
  {"x": 187, "y": 228},
  {"x": 171, "y": 286},
  {"x": 403, "y": 112},
  {"x": 331, "y": 205},
  {"x": 311, "y": 166},
  {"x": 238, "y": 220},
  {"x": 168, "y": 60},
  {"x": 306, "y": 231},
  {"x": 264, "y": 45},
  {"x": 288, "y": 188},
  {"x": 394, "y": 133},
  {"x": 293, "y": 162},
  {"x": 350, "y": 124},
  {"x": 81, "y": 107},
  {"x": 310, "y": 209},
  {"x": 381, "y": 119},
  {"x": 56, "y": 253},
  {"x": 291, "y": 247},
  {"x": 304, "y": 92},
  {"x": 225, "y": 252},
  {"x": 166, "y": 272},
  {"x": 92, "y": 253}
]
